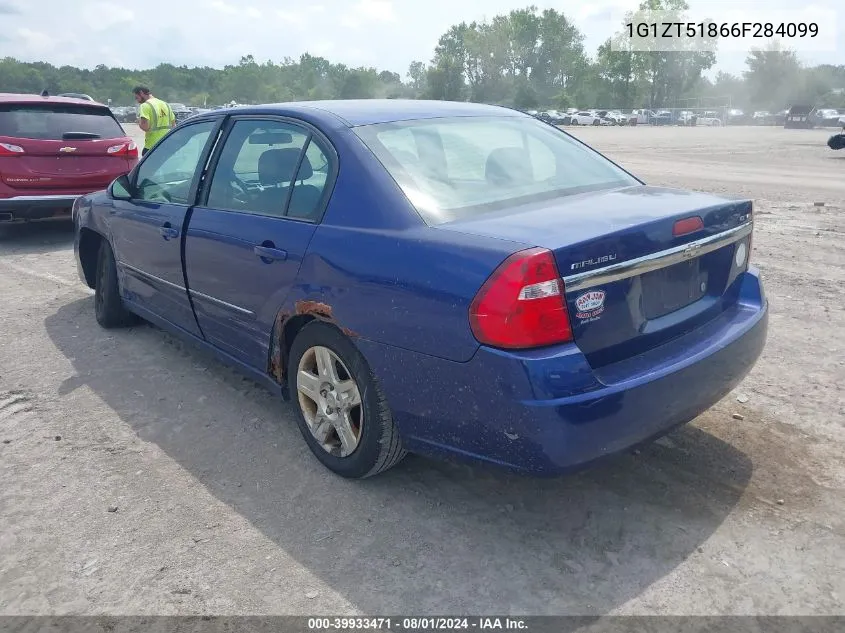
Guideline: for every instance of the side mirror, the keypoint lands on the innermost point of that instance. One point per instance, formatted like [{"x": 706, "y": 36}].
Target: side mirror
[{"x": 120, "y": 188}]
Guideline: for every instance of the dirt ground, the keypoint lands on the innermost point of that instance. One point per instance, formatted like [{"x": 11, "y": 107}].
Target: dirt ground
[{"x": 221, "y": 509}]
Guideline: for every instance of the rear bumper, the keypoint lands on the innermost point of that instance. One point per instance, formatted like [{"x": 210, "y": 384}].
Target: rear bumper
[
  {"x": 548, "y": 411},
  {"x": 36, "y": 208}
]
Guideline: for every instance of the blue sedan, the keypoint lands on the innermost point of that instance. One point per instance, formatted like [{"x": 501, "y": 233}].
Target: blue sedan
[{"x": 448, "y": 279}]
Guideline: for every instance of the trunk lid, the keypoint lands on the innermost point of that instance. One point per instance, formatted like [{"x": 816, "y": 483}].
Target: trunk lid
[
  {"x": 631, "y": 282},
  {"x": 60, "y": 147}
]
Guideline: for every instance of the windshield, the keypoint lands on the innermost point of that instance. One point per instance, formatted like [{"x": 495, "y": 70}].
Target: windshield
[
  {"x": 458, "y": 167},
  {"x": 50, "y": 121}
]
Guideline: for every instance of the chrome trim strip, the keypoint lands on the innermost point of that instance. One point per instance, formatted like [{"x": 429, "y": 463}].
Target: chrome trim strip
[
  {"x": 194, "y": 293},
  {"x": 221, "y": 303},
  {"x": 66, "y": 197},
  {"x": 654, "y": 261},
  {"x": 151, "y": 277}
]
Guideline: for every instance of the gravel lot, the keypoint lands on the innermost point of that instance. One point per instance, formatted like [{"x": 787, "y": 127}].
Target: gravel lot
[{"x": 221, "y": 509}]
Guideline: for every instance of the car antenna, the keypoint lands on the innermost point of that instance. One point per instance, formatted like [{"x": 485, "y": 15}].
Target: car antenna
[{"x": 44, "y": 93}]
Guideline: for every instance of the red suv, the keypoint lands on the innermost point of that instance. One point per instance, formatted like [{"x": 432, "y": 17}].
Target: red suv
[{"x": 53, "y": 149}]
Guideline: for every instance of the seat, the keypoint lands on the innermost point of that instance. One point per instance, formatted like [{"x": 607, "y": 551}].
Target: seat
[
  {"x": 508, "y": 166},
  {"x": 304, "y": 202},
  {"x": 276, "y": 167}
]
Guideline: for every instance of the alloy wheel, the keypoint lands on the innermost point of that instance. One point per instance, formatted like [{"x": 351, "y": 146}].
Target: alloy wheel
[{"x": 330, "y": 401}]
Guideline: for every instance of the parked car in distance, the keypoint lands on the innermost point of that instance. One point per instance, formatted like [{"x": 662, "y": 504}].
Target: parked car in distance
[
  {"x": 195, "y": 111},
  {"x": 125, "y": 114},
  {"x": 76, "y": 95},
  {"x": 709, "y": 118},
  {"x": 603, "y": 115},
  {"x": 640, "y": 117},
  {"x": 763, "y": 117},
  {"x": 181, "y": 111},
  {"x": 827, "y": 117},
  {"x": 451, "y": 279},
  {"x": 556, "y": 117},
  {"x": 800, "y": 116},
  {"x": 616, "y": 117},
  {"x": 687, "y": 118},
  {"x": 660, "y": 117},
  {"x": 584, "y": 117},
  {"x": 736, "y": 117},
  {"x": 53, "y": 149}
]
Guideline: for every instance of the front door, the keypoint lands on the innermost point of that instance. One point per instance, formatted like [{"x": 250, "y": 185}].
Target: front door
[
  {"x": 147, "y": 230},
  {"x": 247, "y": 238}
]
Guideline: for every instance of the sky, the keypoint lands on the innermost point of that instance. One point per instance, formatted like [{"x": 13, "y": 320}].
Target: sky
[{"x": 386, "y": 34}]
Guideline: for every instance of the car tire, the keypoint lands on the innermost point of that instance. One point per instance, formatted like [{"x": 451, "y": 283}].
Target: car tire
[
  {"x": 108, "y": 306},
  {"x": 378, "y": 445},
  {"x": 596, "y": 122}
]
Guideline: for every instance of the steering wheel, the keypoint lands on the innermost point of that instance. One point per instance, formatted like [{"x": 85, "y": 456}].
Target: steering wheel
[
  {"x": 239, "y": 190},
  {"x": 161, "y": 194},
  {"x": 244, "y": 188}
]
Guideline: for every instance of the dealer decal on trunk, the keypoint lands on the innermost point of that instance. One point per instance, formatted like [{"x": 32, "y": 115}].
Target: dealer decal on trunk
[{"x": 590, "y": 305}]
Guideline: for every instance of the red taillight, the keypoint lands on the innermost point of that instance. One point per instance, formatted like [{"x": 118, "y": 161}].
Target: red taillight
[
  {"x": 687, "y": 226},
  {"x": 522, "y": 304},
  {"x": 7, "y": 149},
  {"x": 124, "y": 150}
]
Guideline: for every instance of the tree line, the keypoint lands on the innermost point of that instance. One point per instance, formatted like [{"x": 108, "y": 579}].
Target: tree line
[{"x": 526, "y": 59}]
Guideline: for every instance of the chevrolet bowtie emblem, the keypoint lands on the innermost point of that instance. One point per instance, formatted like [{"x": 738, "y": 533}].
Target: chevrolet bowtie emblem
[{"x": 67, "y": 149}]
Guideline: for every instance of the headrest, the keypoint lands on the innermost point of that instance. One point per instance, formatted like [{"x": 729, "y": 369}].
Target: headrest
[
  {"x": 276, "y": 166},
  {"x": 508, "y": 166}
]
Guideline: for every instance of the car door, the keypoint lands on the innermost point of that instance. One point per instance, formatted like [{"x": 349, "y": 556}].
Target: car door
[
  {"x": 266, "y": 191},
  {"x": 146, "y": 230}
]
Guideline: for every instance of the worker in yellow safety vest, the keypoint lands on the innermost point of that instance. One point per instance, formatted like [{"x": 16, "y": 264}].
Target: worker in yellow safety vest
[{"x": 155, "y": 117}]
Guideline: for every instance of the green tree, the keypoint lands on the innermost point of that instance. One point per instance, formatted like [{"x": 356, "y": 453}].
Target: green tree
[
  {"x": 669, "y": 75},
  {"x": 774, "y": 77},
  {"x": 615, "y": 69}
]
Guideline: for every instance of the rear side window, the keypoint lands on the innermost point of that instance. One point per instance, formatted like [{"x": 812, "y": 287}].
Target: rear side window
[{"x": 53, "y": 121}]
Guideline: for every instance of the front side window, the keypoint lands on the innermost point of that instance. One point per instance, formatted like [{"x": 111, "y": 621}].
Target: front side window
[
  {"x": 168, "y": 171},
  {"x": 459, "y": 167},
  {"x": 269, "y": 167}
]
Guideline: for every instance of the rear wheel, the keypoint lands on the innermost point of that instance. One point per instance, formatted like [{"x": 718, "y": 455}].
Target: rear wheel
[
  {"x": 341, "y": 411},
  {"x": 108, "y": 306}
]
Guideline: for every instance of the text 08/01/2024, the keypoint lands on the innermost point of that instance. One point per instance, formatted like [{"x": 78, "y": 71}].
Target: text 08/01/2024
[{"x": 415, "y": 624}]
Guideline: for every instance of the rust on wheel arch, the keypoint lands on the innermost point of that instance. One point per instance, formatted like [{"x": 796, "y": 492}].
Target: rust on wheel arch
[{"x": 279, "y": 345}]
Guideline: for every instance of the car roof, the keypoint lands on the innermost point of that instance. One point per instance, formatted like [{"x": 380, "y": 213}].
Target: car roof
[
  {"x": 9, "y": 97},
  {"x": 355, "y": 112}
]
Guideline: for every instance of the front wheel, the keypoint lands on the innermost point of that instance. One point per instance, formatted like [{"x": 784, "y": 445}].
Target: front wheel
[
  {"x": 341, "y": 411},
  {"x": 108, "y": 306}
]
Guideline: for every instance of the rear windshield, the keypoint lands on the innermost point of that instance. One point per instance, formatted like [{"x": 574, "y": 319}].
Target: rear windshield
[
  {"x": 452, "y": 168},
  {"x": 50, "y": 121}
]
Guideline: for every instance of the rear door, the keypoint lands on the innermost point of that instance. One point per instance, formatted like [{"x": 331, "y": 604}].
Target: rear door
[
  {"x": 147, "y": 230},
  {"x": 246, "y": 241},
  {"x": 61, "y": 148}
]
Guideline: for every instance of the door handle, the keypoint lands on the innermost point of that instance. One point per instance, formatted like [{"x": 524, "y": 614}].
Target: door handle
[
  {"x": 167, "y": 231},
  {"x": 269, "y": 254}
]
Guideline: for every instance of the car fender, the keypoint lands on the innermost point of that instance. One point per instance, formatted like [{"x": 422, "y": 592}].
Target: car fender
[
  {"x": 88, "y": 213},
  {"x": 391, "y": 289}
]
